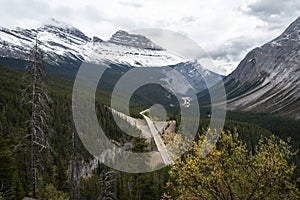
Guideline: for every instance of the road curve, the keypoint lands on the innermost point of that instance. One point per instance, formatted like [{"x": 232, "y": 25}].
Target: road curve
[{"x": 161, "y": 147}]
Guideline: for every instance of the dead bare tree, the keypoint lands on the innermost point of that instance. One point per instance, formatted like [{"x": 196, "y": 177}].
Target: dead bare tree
[{"x": 36, "y": 96}]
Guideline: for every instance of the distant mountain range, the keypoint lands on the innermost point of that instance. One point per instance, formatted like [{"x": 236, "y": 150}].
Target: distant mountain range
[
  {"x": 266, "y": 80},
  {"x": 66, "y": 47}
]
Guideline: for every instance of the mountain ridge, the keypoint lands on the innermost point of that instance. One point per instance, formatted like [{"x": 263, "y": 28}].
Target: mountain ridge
[
  {"x": 61, "y": 43},
  {"x": 66, "y": 47},
  {"x": 268, "y": 78}
]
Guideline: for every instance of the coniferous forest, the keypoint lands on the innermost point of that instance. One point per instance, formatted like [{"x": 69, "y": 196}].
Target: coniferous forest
[{"x": 66, "y": 170}]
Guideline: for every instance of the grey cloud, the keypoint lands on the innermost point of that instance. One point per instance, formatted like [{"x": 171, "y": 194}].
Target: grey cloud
[
  {"x": 132, "y": 4},
  {"x": 275, "y": 13},
  {"x": 19, "y": 13},
  {"x": 90, "y": 14},
  {"x": 175, "y": 42},
  {"x": 19, "y": 8},
  {"x": 232, "y": 49},
  {"x": 223, "y": 69},
  {"x": 124, "y": 22},
  {"x": 62, "y": 11},
  {"x": 188, "y": 19}
]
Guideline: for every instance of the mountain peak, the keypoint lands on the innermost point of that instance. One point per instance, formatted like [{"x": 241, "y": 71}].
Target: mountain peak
[
  {"x": 97, "y": 40},
  {"x": 292, "y": 32},
  {"x": 58, "y": 24},
  {"x": 124, "y": 38},
  {"x": 62, "y": 28},
  {"x": 294, "y": 27}
]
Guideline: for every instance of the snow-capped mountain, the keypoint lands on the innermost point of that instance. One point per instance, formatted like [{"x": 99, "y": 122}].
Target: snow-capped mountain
[
  {"x": 133, "y": 40},
  {"x": 66, "y": 47},
  {"x": 59, "y": 41},
  {"x": 197, "y": 76},
  {"x": 268, "y": 78}
]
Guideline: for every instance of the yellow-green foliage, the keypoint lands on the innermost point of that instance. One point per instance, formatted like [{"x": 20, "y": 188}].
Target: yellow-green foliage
[
  {"x": 49, "y": 192},
  {"x": 230, "y": 171}
]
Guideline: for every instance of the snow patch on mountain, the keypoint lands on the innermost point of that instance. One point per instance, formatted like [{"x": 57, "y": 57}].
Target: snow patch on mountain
[
  {"x": 138, "y": 41},
  {"x": 65, "y": 45},
  {"x": 60, "y": 40}
]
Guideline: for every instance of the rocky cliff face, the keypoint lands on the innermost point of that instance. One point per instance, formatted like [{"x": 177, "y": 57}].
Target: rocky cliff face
[
  {"x": 198, "y": 77},
  {"x": 268, "y": 78},
  {"x": 133, "y": 40}
]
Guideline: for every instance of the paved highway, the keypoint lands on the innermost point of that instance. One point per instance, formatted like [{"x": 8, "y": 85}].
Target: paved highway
[{"x": 161, "y": 147}]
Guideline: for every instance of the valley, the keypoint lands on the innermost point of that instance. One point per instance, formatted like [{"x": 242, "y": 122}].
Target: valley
[{"x": 261, "y": 126}]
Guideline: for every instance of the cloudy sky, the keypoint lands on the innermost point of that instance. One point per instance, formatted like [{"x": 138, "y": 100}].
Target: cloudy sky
[{"x": 224, "y": 29}]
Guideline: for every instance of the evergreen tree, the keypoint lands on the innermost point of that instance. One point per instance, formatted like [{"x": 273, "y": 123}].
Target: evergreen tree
[
  {"x": 11, "y": 187},
  {"x": 75, "y": 173}
]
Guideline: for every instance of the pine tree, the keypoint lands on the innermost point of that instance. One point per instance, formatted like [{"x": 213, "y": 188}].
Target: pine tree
[
  {"x": 10, "y": 184},
  {"x": 74, "y": 175}
]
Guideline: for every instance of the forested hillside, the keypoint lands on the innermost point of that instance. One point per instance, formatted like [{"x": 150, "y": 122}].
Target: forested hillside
[{"x": 54, "y": 180}]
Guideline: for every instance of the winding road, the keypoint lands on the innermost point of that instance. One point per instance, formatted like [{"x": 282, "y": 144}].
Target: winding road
[{"x": 161, "y": 147}]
